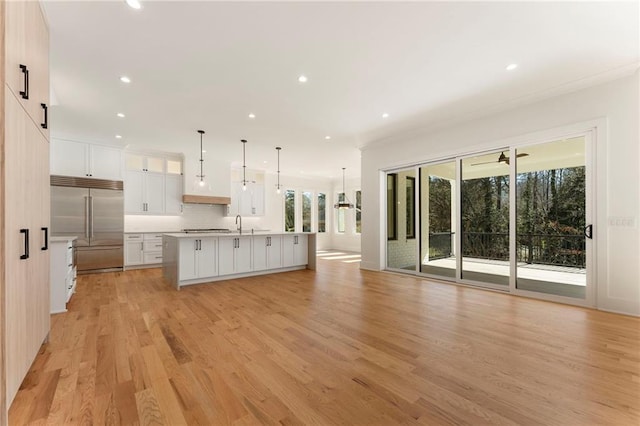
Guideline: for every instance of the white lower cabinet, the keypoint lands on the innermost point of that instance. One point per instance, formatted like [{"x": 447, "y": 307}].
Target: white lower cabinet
[
  {"x": 295, "y": 250},
  {"x": 62, "y": 274},
  {"x": 133, "y": 250},
  {"x": 197, "y": 258},
  {"x": 234, "y": 256},
  {"x": 267, "y": 252},
  {"x": 142, "y": 249}
]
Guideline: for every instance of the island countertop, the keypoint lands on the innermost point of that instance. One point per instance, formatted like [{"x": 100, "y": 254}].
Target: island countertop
[{"x": 230, "y": 234}]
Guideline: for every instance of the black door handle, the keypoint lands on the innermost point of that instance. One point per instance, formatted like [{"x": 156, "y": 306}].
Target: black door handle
[
  {"x": 26, "y": 244},
  {"x": 588, "y": 231},
  {"x": 46, "y": 238},
  {"x": 46, "y": 116},
  {"x": 25, "y": 93}
]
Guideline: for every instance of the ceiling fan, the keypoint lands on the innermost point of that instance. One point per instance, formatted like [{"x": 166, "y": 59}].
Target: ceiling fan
[{"x": 502, "y": 159}]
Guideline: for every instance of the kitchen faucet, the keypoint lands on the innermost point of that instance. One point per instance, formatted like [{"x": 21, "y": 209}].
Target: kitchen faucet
[{"x": 239, "y": 228}]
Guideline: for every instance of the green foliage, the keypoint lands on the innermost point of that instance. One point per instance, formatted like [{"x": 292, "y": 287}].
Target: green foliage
[{"x": 289, "y": 211}]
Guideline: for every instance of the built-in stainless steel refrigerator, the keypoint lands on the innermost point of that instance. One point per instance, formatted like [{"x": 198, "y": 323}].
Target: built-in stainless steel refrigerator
[{"x": 93, "y": 211}]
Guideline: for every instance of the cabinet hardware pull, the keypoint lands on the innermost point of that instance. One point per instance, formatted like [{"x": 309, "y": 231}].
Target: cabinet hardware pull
[
  {"x": 195, "y": 244},
  {"x": 46, "y": 238},
  {"x": 25, "y": 72},
  {"x": 46, "y": 116},
  {"x": 25, "y": 232}
]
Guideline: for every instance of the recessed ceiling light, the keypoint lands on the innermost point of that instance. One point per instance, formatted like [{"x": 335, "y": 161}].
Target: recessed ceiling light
[
  {"x": 327, "y": 137},
  {"x": 252, "y": 115},
  {"x": 134, "y": 4},
  {"x": 121, "y": 115},
  {"x": 264, "y": 162},
  {"x": 125, "y": 79},
  {"x": 385, "y": 115},
  {"x": 302, "y": 79},
  {"x": 204, "y": 150},
  {"x": 118, "y": 136},
  {"x": 512, "y": 67}
]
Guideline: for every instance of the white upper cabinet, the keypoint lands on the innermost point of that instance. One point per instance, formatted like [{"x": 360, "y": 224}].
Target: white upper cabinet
[
  {"x": 153, "y": 184},
  {"x": 71, "y": 158},
  {"x": 145, "y": 163}
]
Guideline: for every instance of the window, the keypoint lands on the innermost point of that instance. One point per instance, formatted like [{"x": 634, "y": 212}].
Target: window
[
  {"x": 411, "y": 207},
  {"x": 392, "y": 203},
  {"x": 358, "y": 212},
  {"x": 322, "y": 212},
  {"x": 289, "y": 210},
  {"x": 340, "y": 213},
  {"x": 306, "y": 211}
]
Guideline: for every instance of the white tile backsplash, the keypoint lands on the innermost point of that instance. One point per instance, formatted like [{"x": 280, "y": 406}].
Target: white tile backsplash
[{"x": 193, "y": 216}]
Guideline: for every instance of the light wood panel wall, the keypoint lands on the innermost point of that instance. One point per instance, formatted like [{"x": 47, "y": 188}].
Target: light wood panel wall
[
  {"x": 25, "y": 193},
  {"x": 3, "y": 405}
]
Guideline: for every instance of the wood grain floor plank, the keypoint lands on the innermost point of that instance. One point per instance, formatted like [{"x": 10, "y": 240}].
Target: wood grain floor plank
[{"x": 333, "y": 346}]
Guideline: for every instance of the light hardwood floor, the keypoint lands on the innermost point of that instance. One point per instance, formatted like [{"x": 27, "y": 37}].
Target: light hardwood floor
[{"x": 332, "y": 346}]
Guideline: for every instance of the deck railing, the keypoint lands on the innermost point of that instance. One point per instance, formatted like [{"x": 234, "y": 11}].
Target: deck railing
[{"x": 540, "y": 249}]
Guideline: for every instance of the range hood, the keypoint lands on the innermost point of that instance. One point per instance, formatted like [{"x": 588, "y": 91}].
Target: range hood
[{"x": 205, "y": 199}]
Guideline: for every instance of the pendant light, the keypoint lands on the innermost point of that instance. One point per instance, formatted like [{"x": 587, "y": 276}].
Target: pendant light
[
  {"x": 278, "y": 186},
  {"x": 200, "y": 183},
  {"x": 244, "y": 164},
  {"x": 343, "y": 205}
]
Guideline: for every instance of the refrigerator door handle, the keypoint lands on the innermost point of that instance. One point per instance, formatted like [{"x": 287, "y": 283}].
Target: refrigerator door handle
[
  {"x": 91, "y": 216},
  {"x": 86, "y": 216}
]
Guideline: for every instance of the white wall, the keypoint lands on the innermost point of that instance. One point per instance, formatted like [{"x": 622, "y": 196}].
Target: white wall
[{"x": 612, "y": 108}]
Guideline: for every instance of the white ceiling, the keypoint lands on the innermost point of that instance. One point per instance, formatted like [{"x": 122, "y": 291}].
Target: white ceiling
[{"x": 207, "y": 65}]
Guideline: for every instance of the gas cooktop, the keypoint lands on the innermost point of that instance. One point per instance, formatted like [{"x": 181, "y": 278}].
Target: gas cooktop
[{"x": 212, "y": 230}]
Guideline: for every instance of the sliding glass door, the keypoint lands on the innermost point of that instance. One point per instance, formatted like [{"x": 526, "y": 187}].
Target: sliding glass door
[
  {"x": 437, "y": 219},
  {"x": 516, "y": 219},
  {"x": 552, "y": 218},
  {"x": 485, "y": 219}
]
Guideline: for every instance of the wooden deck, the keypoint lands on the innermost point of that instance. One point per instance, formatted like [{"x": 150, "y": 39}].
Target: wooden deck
[
  {"x": 542, "y": 273},
  {"x": 332, "y": 346}
]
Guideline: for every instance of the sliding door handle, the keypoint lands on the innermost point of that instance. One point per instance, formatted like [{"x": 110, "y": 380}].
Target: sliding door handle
[
  {"x": 25, "y": 233},
  {"x": 46, "y": 116},
  {"x": 46, "y": 238},
  {"x": 588, "y": 231},
  {"x": 25, "y": 72}
]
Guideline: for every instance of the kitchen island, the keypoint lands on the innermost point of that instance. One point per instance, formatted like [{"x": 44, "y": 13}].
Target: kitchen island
[{"x": 194, "y": 258}]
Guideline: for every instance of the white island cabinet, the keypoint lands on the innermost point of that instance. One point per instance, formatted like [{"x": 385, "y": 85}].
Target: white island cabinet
[
  {"x": 295, "y": 250},
  {"x": 267, "y": 252},
  {"x": 200, "y": 258},
  {"x": 235, "y": 255},
  {"x": 197, "y": 258}
]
